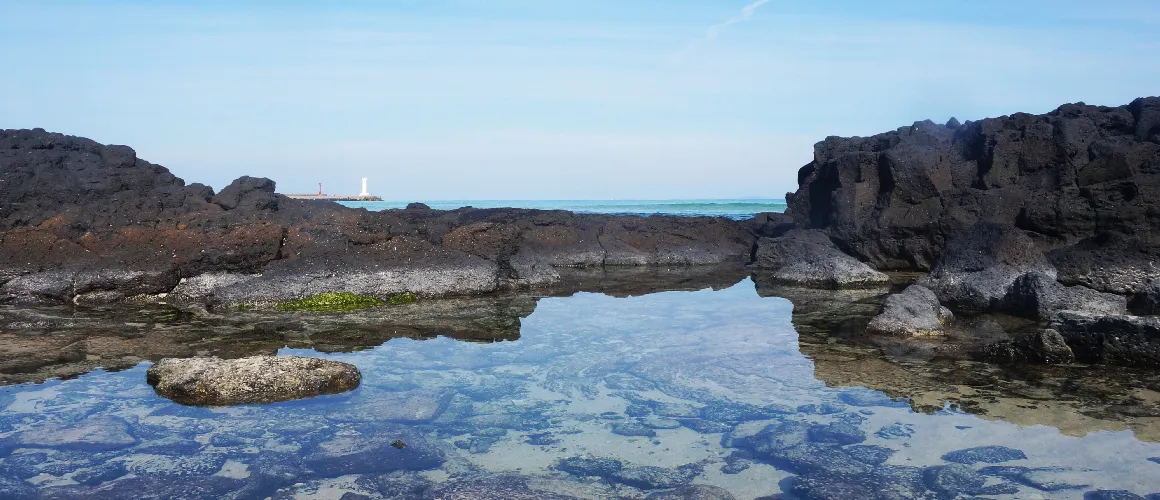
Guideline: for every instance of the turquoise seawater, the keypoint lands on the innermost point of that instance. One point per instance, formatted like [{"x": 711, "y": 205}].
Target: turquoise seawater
[{"x": 732, "y": 208}]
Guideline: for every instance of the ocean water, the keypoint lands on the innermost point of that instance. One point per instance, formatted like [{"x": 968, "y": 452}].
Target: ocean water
[
  {"x": 732, "y": 208},
  {"x": 597, "y": 397}
]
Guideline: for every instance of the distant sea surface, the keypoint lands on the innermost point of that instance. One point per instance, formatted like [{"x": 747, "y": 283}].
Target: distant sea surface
[{"x": 731, "y": 208}]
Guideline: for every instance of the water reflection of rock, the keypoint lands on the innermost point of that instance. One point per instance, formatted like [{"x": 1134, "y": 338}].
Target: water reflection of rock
[
  {"x": 63, "y": 342},
  {"x": 1076, "y": 399}
]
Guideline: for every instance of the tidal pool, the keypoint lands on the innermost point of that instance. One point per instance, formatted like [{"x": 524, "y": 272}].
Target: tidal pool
[{"x": 606, "y": 397}]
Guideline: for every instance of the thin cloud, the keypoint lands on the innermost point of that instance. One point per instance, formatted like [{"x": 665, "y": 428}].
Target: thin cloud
[
  {"x": 713, "y": 31},
  {"x": 746, "y": 14}
]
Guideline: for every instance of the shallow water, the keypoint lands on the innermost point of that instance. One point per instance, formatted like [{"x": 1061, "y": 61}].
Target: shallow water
[
  {"x": 731, "y": 208},
  {"x": 600, "y": 397}
]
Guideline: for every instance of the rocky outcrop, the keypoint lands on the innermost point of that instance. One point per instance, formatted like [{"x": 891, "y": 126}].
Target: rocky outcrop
[
  {"x": 1030, "y": 215},
  {"x": 1076, "y": 174},
  {"x": 809, "y": 258},
  {"x": 915, "y": 312},
  {"x": 89, "y": 224},
  {"x": 254, "y": 380}
]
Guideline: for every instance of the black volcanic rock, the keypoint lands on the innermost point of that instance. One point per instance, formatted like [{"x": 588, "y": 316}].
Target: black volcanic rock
[
  {"x": 1147, "y": 302},
  {"x": 808, "y": 258},
  {"x": 1113, "y": 340},
  {"x": 1038, "y": 296},
  {"x": 248, "y": 193},
  {"x": 976, "y": 270},
  {"x": 91, "y": 224},
  {"x": 896, "y": 199}
]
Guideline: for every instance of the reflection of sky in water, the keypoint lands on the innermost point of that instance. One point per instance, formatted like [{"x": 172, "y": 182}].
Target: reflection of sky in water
[{"x": 655, "y": 380}]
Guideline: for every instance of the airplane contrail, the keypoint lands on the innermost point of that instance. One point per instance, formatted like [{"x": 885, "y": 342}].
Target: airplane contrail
[{"x": 746, "y": 14}]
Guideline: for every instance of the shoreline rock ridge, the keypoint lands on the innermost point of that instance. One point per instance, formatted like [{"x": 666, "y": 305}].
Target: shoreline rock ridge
[{"x": 88, "y": 224}]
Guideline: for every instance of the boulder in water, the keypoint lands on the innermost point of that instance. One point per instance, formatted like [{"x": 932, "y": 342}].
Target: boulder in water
[
  {"x": 211, "y": 381},
  {"x": 913, "y": 313}
]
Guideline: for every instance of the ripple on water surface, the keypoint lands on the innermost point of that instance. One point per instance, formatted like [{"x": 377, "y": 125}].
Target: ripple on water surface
[{"x": 701, "y": 394}]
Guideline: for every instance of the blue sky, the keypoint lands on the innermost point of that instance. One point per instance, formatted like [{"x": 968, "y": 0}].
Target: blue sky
[{"x": 547, "y": 99}]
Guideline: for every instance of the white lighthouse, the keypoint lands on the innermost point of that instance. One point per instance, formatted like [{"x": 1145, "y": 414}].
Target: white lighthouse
[{"x": 364, "y": 190}]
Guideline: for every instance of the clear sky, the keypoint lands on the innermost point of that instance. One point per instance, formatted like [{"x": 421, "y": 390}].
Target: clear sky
[{"x": 547, "y": 99}]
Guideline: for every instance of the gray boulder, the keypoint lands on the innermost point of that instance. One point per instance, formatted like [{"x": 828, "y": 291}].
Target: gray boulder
[
  {"x": 211, "y": 381},
  {"x": 1113, "y": 340},
  {"x": 376, "y": 451},
  {"x": 913, "y": 313},
  {"x": 1039, "y": 296},
  {"x": 809, "y": 258},
  {"x": 979, "y": 267}
]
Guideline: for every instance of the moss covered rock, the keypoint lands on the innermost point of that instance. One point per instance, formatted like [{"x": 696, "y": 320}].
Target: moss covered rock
[{"x": 330, "y": 302}]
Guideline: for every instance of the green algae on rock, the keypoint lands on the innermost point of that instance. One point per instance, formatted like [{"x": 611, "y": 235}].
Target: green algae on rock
[
  {"x": 330, "y": 302},
  {"x": 402, "y": 298}
]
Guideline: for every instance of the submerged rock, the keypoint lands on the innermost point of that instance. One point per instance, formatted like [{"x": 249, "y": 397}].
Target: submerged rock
[
  {"x": 954, "y": 480},
  {"x": 377, "y": 451},
  {"x": 494, "y": 488},
  {"x": 884, "y": 483},
  {"x": 148, "y": 488},
  {"x": 633, "y": 429},
  {"x": 1111, "y": 495},
  {"x": 839, "y": 433},
  {"x": 253, "y": 380},
  {"x": 94, "y": 434},
  {"x": 1113, "y": 340},
  {"x": 693, "y": 492},
  {"x": 414, "y": 407},
  {"x": 915, "y": 312},
  {"x": 870, "y": 454},
  {"x": 984, "y": 454},
  {"x": 1045, "y": 347},
  {"x": 586, "y": 467},
  {"x": 652, "y": 478}
]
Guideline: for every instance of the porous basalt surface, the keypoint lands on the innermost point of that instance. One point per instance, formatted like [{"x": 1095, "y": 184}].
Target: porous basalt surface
[
  {"x": 87, "y": 223},
  {"x": 204, "y": 381}
]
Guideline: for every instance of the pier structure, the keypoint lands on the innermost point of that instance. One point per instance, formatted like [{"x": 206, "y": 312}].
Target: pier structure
[{"x": 362, "y": 196}]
